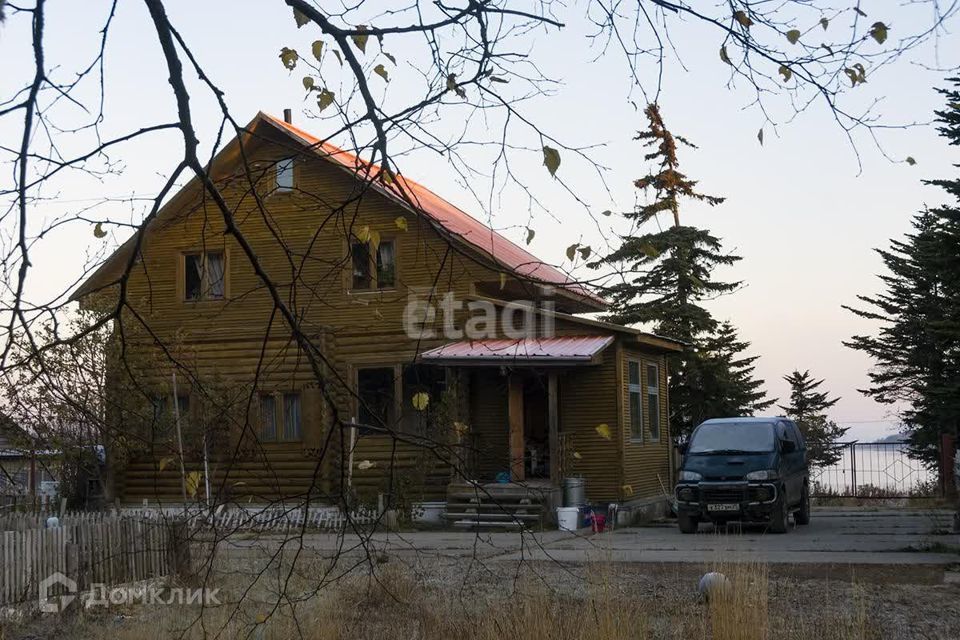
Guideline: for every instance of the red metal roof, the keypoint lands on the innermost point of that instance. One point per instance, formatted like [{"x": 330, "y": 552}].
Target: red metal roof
[
  {"x": 453, "y": 220},
  {"x": 570, "y": 349}
]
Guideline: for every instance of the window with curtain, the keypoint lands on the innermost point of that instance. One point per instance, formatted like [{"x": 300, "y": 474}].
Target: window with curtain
[
  {"x": 373, "y": 270},
  {"x": 653, "y": 400},
  {"x": 204, "y": 275},
  {"x": 360, "y": 257},
  {"x": 291, "y": 416},
  {"x": 635, "y": 394},
  {"x": 285, "y": 175},
  {"x": 268, "y": 418},
  {"x": 386, "y": 265}
]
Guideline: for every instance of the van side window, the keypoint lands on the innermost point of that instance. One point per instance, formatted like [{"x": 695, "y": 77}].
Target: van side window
[{"x": 797, "y": 436}]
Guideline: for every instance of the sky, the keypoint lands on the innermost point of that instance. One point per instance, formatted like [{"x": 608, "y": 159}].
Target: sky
[{"x": 800, "y": 209}]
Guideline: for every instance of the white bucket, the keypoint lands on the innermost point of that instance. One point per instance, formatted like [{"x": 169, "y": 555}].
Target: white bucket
[
  {"x": 568, "y": 518},
  {"x": 429, "y": 512}
]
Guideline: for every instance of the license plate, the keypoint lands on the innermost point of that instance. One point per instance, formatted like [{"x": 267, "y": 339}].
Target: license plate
[{"x": 723, "y": 507}]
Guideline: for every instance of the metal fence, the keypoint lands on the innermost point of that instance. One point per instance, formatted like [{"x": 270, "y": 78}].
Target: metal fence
[{"x": 875, "y": 470}]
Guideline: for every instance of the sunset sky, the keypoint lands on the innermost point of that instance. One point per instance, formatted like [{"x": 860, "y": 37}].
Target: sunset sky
[{"x": 800, "y": 210}]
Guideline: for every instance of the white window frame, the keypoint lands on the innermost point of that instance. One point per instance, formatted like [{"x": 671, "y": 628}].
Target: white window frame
[
  {"x": 636, "y": 437},
  {"x": 654, "y": 390}
]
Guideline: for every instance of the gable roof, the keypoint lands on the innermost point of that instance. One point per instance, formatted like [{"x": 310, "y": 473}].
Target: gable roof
[{"x": 444, "y": 216}]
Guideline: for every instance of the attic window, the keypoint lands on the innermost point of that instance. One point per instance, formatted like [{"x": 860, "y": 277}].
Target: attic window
[{"x": 285, "y": 175}]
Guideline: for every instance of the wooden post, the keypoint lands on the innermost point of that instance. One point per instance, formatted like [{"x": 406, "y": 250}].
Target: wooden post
[
  {"x": 515, "y": 419},
  {"x": 553, "y": 420},
  {"x": 176, "y": 418}
]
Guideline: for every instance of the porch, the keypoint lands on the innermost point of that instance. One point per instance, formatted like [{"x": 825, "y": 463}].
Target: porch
[{"x": 516, "y": 451}]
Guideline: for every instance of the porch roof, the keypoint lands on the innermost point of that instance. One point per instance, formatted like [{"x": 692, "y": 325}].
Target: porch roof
[{"x": 561, "y": 350}]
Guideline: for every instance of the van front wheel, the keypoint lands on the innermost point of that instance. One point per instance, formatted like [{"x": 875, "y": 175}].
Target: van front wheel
[
  {"x": 688, "y": 523},
  {"x": 780, "y": 516}
]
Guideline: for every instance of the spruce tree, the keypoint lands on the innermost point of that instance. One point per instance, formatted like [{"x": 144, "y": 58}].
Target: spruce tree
[
  {"x": 917, "y": 348},
  {"x": 808, "y": 408},
  {"x": 664, "y": 278}
]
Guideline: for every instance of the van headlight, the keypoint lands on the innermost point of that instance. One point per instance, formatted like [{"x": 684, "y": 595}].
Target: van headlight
[
  {"x": 690, "y": 476},
  {"x": 764, "y": 474}
]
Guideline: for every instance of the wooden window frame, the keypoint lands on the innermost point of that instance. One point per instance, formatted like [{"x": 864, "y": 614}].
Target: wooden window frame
[
  {"x": 636, "y": 437},
  {"x": 651, "y": 390},
  {"x": 182, "y": 275},
  {"x": 372, "y": 266},
  {"x": 279, "y": 416}
]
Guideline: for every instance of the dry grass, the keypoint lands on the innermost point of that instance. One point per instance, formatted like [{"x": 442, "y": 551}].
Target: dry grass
[{"x": 396, "y": 601}]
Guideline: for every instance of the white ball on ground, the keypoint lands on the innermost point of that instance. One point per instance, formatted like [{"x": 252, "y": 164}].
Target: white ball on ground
[{"x": 713, "y": 584}]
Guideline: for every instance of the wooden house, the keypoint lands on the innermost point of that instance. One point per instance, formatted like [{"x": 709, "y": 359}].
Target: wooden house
[{"x": 430, "y": 353}]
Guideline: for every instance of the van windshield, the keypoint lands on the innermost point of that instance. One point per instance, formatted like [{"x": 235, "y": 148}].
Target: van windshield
[{"x": 733, "y": 437}]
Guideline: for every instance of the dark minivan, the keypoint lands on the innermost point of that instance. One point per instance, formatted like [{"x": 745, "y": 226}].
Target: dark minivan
[{"x": 747, "y": 469}]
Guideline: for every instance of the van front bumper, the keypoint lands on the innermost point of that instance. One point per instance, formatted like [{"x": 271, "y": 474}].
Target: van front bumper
[{"x": 749, "y": 501}]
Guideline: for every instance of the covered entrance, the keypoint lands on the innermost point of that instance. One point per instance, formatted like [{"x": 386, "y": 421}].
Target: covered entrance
[{"x": 513, "y": 453}]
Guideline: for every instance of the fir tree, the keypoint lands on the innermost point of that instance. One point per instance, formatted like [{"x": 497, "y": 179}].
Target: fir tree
[
  {"x": 808, "y": 408},
  {"x": 917, "y": 348},
  {"x": 665, "y": 276}
]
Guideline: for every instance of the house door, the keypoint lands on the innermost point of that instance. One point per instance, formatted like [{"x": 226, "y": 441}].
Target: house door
[{"x": 536, "y": 428}]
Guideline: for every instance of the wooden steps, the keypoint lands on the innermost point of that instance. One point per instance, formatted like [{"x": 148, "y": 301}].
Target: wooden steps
[{"x": 499, "y": 505}]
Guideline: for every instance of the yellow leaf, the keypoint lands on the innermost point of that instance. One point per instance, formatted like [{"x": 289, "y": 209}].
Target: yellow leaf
[
  {"x": 98, "y": 231},
  {"x": 164, "y": 462},
  {"x": 585, "y": 252},
  {"x": 307, "y": 83},
  {"x": 627, "y": 489},
  {"x": 363, "y": 233},
  {"x": 551, "y": 159},
  {"x": 786, "y": 72},
  {"x": 401, "y": 223},
  {"x": 879, "y": 32},
  {"x": 324, "y": 99},
  {"x": 603, "y": 430},
  {"x": 572, "y": 251},
  {"x": 460, "y": 428},
  {"x": 576, "y": 455},
  {"x": 378, "y": 314},
  {"x": 374, "y": 239},
  {"x": 503, "y": 280},
  {"x": 300, "y": 17},
  {"x": 381, "y": 71},
  {"x": 743, "y": 19},
  {"x": 289, "y": 57},
  {"x": 193, "y": 483},
  {"x": 530, "y": 234},
  {"x": 420, "y": 401},
  {"x": 724, "y": 56},
  {"x": 793, "y": 36},
  {"x": 363, "y": 465},
  {"x": 360, "y": 39},
  {"x": 317, "y": 49},
  {"x": 336, "y": 52}
]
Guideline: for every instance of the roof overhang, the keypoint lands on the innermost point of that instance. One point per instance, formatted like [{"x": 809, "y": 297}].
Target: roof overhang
[{"x": 542, "y": 352}]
